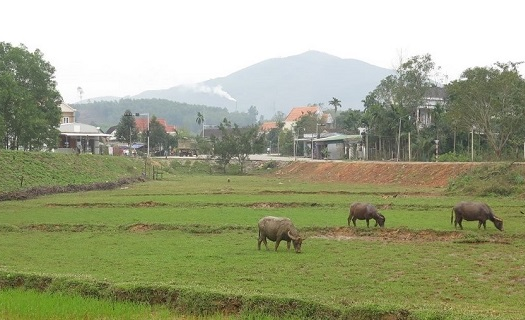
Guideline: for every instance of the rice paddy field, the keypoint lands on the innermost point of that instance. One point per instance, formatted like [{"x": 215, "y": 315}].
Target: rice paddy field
[{"x": 186, "y": 247}]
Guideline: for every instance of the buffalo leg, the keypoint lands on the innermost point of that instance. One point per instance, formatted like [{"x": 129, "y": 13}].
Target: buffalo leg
[
  {"x": 259, "y": 243},
  {"x": 277, "y": 241},
  {"x": 457, "y": 222}
]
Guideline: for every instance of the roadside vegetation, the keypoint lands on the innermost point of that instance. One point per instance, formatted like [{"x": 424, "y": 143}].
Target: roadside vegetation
[
  {"x": 496, "y": 179},
  {"x": 186, "y": 246}
]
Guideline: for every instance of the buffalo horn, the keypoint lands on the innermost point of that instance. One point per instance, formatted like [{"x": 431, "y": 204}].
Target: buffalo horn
[{"x": 290, "y": 235}]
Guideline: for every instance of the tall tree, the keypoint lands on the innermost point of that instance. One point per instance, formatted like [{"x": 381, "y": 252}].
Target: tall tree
[
  {"x": 126, "y": 128},
  {"x": 252, "y": 113},
  {"x": 158, "y": 137},
  {"x": 391, "y": 107},
  {"x": 336, "y": 103},
  {"x": 29, "y": 100},
  {"x": 235, "y": 142},
  {"x": 307, "y": 122},
  {"x": 224, "y": 148},
  {"x": 279, "y": 117},
  {"x": 491, "y": 101},
  {"x": 351, "y": 120},
  {"x": 245, "y": 139},
  {"x": 200, "y": 121}
]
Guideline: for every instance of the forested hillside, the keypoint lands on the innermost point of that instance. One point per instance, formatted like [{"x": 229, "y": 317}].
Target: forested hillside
[{"x": 105, "y": 114}]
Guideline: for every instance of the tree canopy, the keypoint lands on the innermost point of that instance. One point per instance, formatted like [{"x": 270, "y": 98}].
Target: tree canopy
[
  {"x": 29, "y": 101},
  {"x": 126, "y": 129},
  {"x": 336, "y": 103},
  {"x": 490, "y": 101},
  {"x": 391, "y": 108},
  {"x": 235, "y": 142}
]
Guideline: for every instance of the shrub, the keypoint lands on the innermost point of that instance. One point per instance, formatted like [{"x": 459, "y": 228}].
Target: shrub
[
  {"x": 454, "y": 157},
  {"x": 489, "y": 180}
]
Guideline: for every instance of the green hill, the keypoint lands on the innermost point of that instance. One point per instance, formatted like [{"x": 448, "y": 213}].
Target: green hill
[{"x": 26, "y": 170}]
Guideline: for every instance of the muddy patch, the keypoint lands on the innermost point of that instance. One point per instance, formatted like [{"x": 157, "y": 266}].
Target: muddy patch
[
  {"x": 404, "y": 235},
  {"x": 140, "y": 228}
]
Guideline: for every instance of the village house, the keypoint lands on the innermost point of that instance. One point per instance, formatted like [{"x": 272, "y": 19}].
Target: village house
[
  {"x": 79, "y": 137},
  {"x": 296, "y": 113},
  {"x": 434, "y": 96}
]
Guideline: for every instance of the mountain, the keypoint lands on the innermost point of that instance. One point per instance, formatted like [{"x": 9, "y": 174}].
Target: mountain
[{"x": 280, "y": 84}]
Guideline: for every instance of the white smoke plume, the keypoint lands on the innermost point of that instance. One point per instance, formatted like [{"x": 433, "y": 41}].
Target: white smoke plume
[{"x": 217, "y": 90}]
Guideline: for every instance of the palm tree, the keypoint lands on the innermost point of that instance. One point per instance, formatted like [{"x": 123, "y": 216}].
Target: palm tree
[
  {"x": 200, "y": 120},
  {"x": 336, "y": 103}
]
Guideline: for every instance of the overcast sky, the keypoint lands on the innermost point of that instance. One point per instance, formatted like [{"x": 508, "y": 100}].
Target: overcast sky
[{"x": 120, "y": 48}]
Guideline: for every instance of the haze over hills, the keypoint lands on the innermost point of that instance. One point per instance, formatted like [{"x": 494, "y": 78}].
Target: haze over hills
[{"x": 280, "y": 84}]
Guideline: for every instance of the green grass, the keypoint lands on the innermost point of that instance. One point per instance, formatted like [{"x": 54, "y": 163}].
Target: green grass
[
  {"x": 18, "y": 304},
  {"x": 23, "y": 170},
  {"x": 194, "y": 237}
]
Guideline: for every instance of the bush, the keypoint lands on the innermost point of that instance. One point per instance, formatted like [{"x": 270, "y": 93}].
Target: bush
[
  {"x": 490, "y": 180},
  {"x": 454, "y": 157}
]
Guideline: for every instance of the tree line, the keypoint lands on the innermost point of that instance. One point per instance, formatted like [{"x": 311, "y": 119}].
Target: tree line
[{"x": 479, "y": 117}]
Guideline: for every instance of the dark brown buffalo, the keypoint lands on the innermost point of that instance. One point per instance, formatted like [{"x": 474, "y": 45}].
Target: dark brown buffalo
[
  {"x": 365, "y": 211},
  {"x": 278, "y": 229},
  {"x": 471, "y": 211}
]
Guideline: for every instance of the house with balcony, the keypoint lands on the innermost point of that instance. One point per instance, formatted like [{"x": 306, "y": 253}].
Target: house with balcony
[
  {"x": 79, "y": 137},
  {"x": 435, "y": 96}
]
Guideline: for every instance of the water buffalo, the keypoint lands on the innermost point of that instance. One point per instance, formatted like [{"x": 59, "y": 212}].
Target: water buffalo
[
  {"x": 365, "y": 211},
  {"x": 277, "y": 229},
  {"x": 471, "y": 211}
]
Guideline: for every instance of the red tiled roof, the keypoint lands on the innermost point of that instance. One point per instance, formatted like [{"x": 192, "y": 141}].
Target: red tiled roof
[
  {"x": 267, "y": 126},
  {"x": 142, "y": 124},
  {"x": 298, "y": 112}
]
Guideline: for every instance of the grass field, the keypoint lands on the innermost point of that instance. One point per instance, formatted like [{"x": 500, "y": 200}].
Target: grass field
[{"x": 194, "y": 237}]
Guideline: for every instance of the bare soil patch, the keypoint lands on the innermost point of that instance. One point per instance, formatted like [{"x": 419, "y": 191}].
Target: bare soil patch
[
  {"x": 403, "y": 235},
  {"x": 430, "y": 174},
  {"x": 140, "y": 227},
  {"x": 386, "y": 234}
]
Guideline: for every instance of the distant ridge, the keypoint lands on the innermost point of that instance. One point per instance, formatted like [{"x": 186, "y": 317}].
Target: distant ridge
[{"x": 279, "y": 84}]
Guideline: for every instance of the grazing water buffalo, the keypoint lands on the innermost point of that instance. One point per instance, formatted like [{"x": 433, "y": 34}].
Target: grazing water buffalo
[
  {"x": 365, "y": 211},
  {"x": 277, "y": 229},
  {"x": 472, "y": 211}
]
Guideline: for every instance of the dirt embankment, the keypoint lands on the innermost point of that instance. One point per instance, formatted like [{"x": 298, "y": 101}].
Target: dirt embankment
[{"x": 431, "y": 174}]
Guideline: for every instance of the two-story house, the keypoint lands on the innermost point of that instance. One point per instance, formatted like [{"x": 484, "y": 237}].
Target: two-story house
[
  {"x": 78, "y": 137},
  {"x": 68, "y": 113},
  {"x": 434, "y": 97}
]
